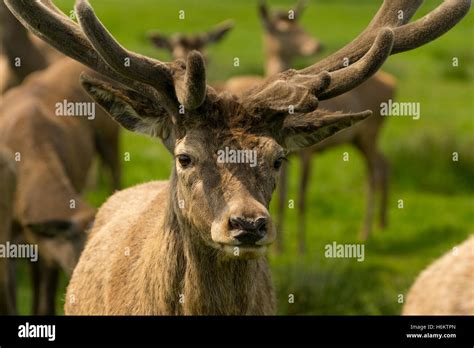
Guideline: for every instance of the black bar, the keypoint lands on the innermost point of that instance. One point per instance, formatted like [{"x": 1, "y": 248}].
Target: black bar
[{"x": 351, "y": 330}]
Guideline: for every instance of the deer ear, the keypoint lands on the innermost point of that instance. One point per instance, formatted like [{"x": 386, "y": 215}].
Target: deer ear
[
  {"x": 303, "y": 130},
  {"x": 218, "y": 33},
  {"x": 128, "y": 108},
  {"x": 264, "y": 14},
  {"x": 160, "y": 40}
]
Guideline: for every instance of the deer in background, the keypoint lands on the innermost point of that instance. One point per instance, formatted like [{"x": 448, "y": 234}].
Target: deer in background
[
  {"x": 17, "y": 43},
  {"x": 36, "y": 55},
  {"x": 446, "y": 287},
  {"x": 54, "y": 160},
  {"x": 196, "y": 244},
  {"x": 180, "y": 45},
  {"x": 284, "y": 40},
  {"x": 364, "y": 136}
]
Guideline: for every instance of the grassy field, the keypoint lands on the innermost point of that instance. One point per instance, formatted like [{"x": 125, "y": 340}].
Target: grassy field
[{"x": 437, "y": 192}]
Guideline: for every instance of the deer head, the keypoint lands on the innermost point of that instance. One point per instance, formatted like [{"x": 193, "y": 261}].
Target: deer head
[
  {"x": 285, "y": 39},
  {"x": 224, "y": 202},
  {"x": 180, "y": 45},
  {"x": 61, "y": 241}
]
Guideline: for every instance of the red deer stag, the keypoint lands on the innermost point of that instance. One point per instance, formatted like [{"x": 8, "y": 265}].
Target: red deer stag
[{"x": 195, "y": 244}]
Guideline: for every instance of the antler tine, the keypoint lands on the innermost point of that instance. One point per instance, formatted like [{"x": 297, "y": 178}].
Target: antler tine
[
  {"x": 53, "y": 28},
  {"x": 92, "y": 45},
  {"x": 142, "y": 68},
  {"x": 386, "y": 16},
  {"x": 346, "y": 79},
  {"x": 431, "y": 26},
  {"x": 56, "y": 29},
  {"x": 387, "y": 33},
  {"x": 396, "y": 14}
]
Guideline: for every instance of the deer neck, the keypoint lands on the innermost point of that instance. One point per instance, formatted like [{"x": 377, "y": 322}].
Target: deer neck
[
  {"x": 275, "y": 62},
  {"x": 197, "y": 281}
]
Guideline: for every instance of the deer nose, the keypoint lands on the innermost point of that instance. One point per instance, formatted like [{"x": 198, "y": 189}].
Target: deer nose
[{"x": 248, "y": 230}]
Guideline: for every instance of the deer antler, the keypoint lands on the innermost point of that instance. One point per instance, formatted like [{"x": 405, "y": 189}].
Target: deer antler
[
  {"x": 365, "y": 54},
  {"x": 176, "y": 82},
  {"x": 396, "y": 14},
  {"x": 91, "y": 44}
]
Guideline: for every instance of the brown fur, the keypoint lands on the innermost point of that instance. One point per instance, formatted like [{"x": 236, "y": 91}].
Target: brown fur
[
  {"x": 145, "y": 270},
  {"x": 446, "y": 287}
]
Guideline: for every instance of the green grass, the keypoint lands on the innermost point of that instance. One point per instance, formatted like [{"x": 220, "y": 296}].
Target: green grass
[{"x": 437, "y": 192}]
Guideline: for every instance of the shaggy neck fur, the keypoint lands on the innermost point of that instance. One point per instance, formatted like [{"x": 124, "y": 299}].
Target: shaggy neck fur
[{"x": 194, "y": 280}]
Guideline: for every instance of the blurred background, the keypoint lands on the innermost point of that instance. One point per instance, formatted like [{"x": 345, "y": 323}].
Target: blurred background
[{"x": 438, "y": 200}]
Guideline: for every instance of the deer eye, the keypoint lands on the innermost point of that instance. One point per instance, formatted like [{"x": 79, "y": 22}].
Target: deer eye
[
  {"x": 184, "y": 160},
  {"x": 278, "y": 162}
]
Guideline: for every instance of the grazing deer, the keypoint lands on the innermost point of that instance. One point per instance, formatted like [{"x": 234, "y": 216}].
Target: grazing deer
[
  {"x": 446, "y": 287},
  {"x": 180, "y": 45},
  {"x": 195, "y": 244},
  {"x": 53, "y": 155}
]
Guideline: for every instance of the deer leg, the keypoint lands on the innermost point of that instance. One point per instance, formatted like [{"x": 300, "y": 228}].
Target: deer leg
[
  {"x": 282, "y": 199},
  {"x": 35, "y": 282},
  {"x": 383, "y": 183},
  {"x": 305, "y": 173},
  {"x": 370, "y": 205},
  {"x": 108, "y": 150},
  {"x": 7, "y": 190},
  {"x": 45, "y": 282},
  {"x": 7, "y": 287},
  {"x": 5, "y": 300}
]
